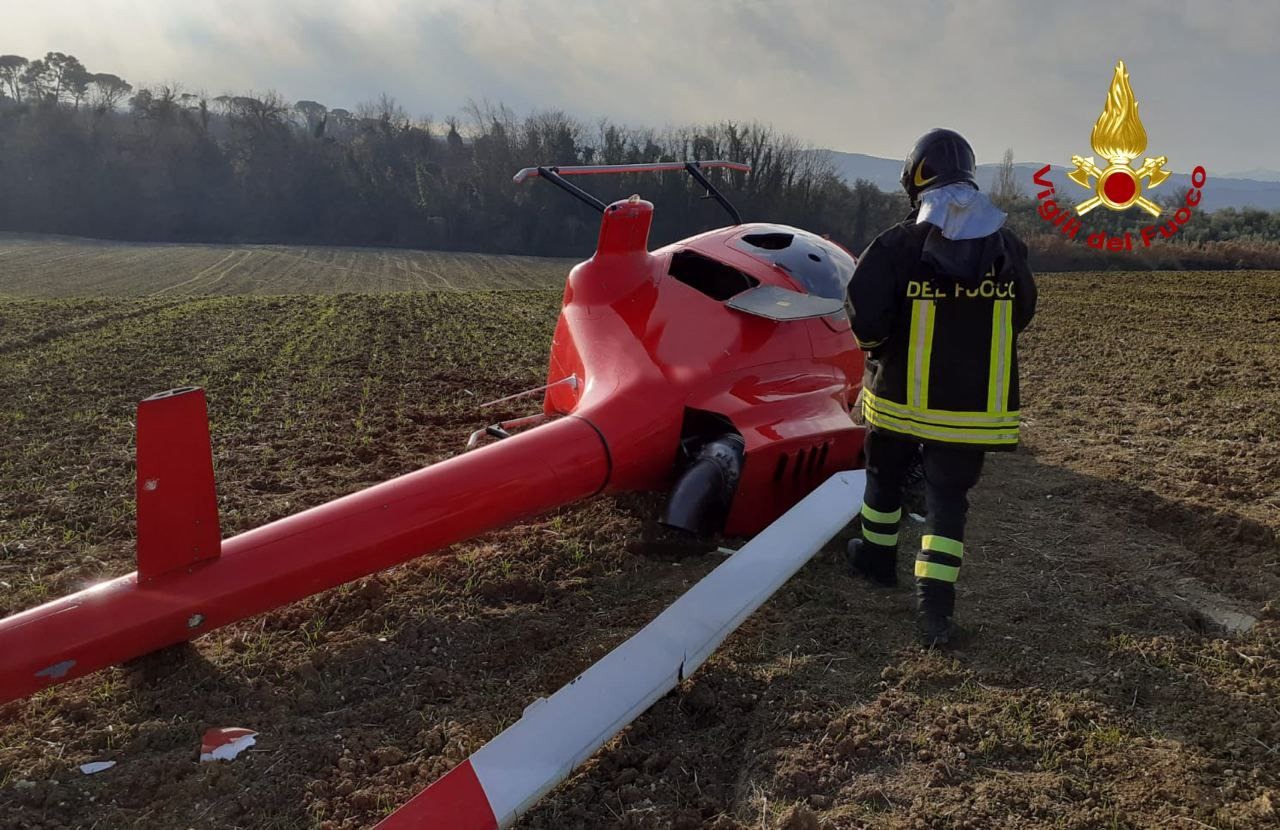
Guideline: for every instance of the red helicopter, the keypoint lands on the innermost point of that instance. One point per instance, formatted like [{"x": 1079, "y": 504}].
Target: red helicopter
[{"x": 720, "y": 369}]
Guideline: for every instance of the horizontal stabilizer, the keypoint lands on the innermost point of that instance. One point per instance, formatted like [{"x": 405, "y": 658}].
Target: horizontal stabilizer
[
  {"x": 508, "y": 775},
  {"x": 177, "y": 503}
]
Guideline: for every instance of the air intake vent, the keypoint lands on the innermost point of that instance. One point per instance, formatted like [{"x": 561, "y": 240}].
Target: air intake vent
[
  {"x": 712, "y": 277},
  {"x": 769, "y": 241}
]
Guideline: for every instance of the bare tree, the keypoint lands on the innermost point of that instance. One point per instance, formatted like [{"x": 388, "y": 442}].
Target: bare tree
[
  {"x": 453, "y": 137},
  {"x": 259, "y": 113},
  {"x": 202, "y": 109},
  {"x": 488, "y": 119},
  {"x": 196, "y": 103},
  {"x": 1006, "y": 190},
  {"x": 108, "y": 90},
  {"x": 611, "y": 143},
  {"x": 385, "y": 113},
  {"x": 165, "y": 104},
  {"x": 1175, "y": 199}
]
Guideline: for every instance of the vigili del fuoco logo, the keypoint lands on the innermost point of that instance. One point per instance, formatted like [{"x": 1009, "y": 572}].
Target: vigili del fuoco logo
[{"x": 1119, "y": 139}]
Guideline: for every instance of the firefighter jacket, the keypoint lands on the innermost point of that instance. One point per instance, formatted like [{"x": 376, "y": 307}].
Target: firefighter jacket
[{"x": 940, "y": 318}]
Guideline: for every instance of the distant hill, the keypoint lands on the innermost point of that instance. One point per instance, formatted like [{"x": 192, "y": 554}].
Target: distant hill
[
  {"x": 1222, "y": 191},
  {"x": 1260, "y": 174},
  {"x": 883, "y": 173}
]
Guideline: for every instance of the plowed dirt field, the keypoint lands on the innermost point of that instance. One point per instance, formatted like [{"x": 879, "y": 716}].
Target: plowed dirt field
[
  {"x": 1122, "y": 577},
  {"x": 61, "y": 266}
]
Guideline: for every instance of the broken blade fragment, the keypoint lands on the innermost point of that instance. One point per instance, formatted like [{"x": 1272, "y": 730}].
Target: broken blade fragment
[{"x": 226, "y": 743}]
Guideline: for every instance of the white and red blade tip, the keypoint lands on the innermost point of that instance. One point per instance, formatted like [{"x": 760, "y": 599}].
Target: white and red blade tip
[{"x": 225, "y": 743}]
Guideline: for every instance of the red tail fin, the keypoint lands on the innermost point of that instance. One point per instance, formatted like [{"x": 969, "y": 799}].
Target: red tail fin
[{"x": 177, "y": 504}]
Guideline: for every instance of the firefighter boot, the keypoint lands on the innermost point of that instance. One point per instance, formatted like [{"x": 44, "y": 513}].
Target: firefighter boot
[
  {"x": 876, "y": 563},
  {"x": 936, "y": 630},
  {"x": 875, "y": 555},
  {"x": 937, "y": 567},
  {"x": 936, "y": 604}
]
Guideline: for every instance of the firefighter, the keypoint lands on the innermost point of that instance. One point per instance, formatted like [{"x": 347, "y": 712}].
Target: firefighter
[{"x": 937, "y": 302}]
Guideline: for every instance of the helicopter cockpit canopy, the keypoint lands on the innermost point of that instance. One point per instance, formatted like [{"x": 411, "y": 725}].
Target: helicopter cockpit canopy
[{"x": 821, "y": 266}]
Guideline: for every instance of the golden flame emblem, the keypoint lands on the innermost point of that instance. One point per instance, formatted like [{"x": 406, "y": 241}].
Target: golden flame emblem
[{"x": 1119, "y": 137}]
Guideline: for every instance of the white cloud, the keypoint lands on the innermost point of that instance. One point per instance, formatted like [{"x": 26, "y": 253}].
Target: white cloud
[{"x": 856, "y": 76}]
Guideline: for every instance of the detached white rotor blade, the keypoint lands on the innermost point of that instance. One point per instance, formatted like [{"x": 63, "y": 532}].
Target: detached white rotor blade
[{"x": 507, "y": 776}]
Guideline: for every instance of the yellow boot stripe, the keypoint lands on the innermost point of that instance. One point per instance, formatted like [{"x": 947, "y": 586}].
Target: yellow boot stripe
[
  {"x": 886, "y": 539},
  {"x": 932, "y": 570},
  {"x": 943, "y": 545},
  {"x": 880, "y": 516}
]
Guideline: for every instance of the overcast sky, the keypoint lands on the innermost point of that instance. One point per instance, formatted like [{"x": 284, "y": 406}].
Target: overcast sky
[{"x": 855, "y": 76}]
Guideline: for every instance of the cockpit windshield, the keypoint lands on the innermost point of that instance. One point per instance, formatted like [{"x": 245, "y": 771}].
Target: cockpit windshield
[{"x": 821, "y": 266}]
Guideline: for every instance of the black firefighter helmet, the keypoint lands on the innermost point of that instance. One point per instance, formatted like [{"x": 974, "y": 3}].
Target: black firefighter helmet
[{"x": 940, "y": 157}]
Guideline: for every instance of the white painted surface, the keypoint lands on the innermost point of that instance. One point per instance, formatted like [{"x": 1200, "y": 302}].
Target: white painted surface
[
  {"x": 226, "y": 743},
  {"x": 558, "y": 733}
]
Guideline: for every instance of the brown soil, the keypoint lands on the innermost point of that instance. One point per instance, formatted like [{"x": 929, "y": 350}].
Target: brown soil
[
  {"x": 1098, "y": 688},
  {"x": 44, "y": 265}
]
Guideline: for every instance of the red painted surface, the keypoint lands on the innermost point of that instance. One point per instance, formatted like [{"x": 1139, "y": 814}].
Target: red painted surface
[
  {"x": 645, "y": 348},
  {"x": 455, "y": 802},
  {"x": 648, "y": 347},
  {"x": 303, "y": 554},
  {"x": 177, "y": 505}
]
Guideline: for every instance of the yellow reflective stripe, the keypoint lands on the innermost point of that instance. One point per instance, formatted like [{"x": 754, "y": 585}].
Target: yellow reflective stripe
[
  {"x": 948, "y": 434},
  {"x": 919, "y": 353},
  {"x": 941, "y": 416},
  {"x": 886, "y": 539},
  {"x": 928, "y": 355},
  {"x": 942, "y": 544},
  {"x": 1007, "y": 367},
  {"x": 874, "y": 414},
  {"x": 932, "y": 570},
  {"x": 993, "y": 363},
  {"x": 880, "y": 516},
  {"x": 955, "y": 435},
  {"x": 915, "y": 344},
  {"x": 1001, "y": 354}
]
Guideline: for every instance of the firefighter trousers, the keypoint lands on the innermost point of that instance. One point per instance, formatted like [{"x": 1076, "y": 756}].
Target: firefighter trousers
[{"x": 950, "y": 471}]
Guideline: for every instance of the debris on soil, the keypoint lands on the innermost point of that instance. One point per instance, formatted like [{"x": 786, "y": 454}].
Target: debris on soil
[
  {"x": 94, "y": 767},
  {"x": 226, "y": 743}
]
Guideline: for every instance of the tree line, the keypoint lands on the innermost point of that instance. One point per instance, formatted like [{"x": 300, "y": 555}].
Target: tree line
[{"x": 87, "y": 154}]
